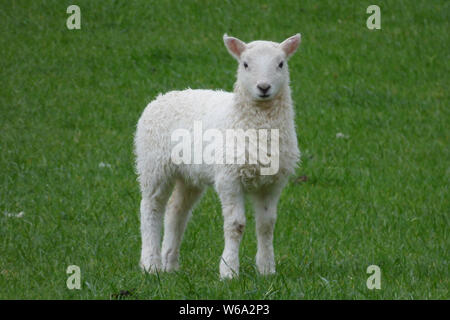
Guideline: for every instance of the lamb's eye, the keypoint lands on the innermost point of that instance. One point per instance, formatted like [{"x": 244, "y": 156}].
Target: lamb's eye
[
  {"x": 280, "y": 65},
  {"x": 245, "y": 65}
]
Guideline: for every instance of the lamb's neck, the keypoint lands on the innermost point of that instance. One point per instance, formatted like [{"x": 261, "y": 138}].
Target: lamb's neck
[{"x": 280, "y": 107}]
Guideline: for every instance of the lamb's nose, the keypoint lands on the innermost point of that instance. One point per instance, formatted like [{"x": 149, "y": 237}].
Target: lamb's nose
[{"x": 264, "y": 87}]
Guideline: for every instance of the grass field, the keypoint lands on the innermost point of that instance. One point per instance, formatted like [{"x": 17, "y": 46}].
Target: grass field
[{"x": 70, "y": 100}]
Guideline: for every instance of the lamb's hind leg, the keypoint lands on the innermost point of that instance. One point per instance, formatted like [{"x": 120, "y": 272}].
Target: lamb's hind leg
[
  {"x": 177, "y": 214},
  {"x": 153, "y": 202}
]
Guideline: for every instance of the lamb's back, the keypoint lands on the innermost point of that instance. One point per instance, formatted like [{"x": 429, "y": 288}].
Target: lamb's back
[{"x": 179, "y": 109}]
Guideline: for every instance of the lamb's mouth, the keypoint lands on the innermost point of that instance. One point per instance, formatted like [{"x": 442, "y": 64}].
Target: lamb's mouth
[{"x": 264, "y": 96}]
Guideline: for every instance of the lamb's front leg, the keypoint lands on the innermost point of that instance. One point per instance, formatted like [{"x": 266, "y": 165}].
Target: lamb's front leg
[
  {"x": 233, "y": 210},
  {"x": 265, "y": 205}
]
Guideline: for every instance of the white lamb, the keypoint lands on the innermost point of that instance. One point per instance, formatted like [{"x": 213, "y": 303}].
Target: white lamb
[{"x": 261, "y": 100}]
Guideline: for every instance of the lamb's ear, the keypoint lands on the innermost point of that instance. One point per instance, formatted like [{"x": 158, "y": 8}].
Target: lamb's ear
[
  {"x": 290, "y": 45},
  {"x": 234, "y": 46}
]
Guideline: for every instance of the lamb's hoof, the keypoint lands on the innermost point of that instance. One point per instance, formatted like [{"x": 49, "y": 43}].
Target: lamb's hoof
[
  {"x": 169, "y": 267},
  {"x": 226, "y": 272},
  {"x": 150, "y": 266},
  {"x": 267, "y": 268},
  {"x": 267, "y": 271},
  {"x": 228, "y": 275}
]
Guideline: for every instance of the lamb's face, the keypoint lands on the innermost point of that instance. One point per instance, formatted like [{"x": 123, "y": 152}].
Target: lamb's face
[{"x": 263, "y": 68}]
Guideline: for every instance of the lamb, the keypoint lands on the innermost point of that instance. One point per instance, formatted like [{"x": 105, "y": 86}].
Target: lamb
[{"x": 261, "y": 100}]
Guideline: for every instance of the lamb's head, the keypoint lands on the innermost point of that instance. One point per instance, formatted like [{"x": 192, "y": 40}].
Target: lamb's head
[{"x": 263, "y": 69}]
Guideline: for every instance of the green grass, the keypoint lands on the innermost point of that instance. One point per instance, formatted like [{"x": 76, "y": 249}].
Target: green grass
[{"x": 70, "y": 100}]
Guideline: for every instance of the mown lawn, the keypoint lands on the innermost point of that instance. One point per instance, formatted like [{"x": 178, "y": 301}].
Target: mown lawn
[{"x": 377, "y": 193}]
